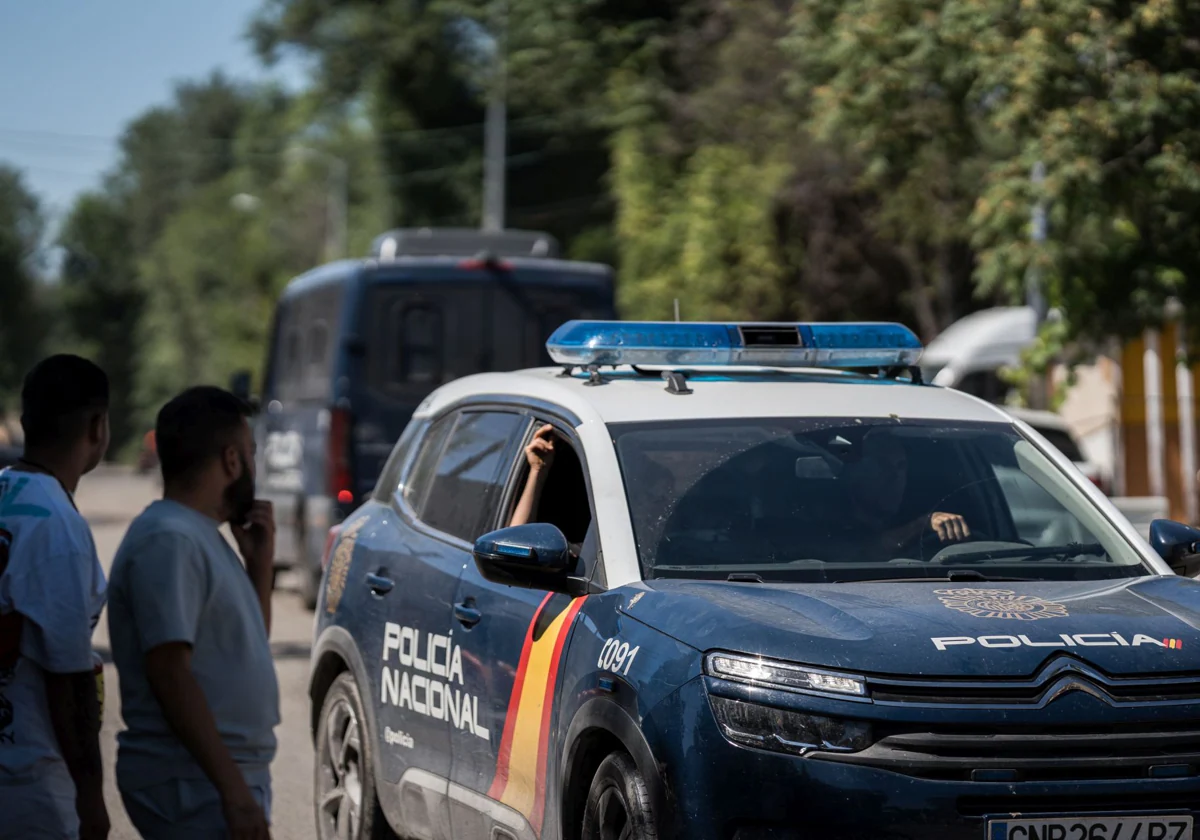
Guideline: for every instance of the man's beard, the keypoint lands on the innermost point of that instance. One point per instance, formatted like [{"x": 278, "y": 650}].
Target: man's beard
[{"x": 239, "y": 495}]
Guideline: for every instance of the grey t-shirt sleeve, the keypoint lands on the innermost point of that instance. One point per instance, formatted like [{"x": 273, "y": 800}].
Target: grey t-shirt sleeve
[
  {"x": 167, "y": 585},
  {"x": 55, "y": 597}
]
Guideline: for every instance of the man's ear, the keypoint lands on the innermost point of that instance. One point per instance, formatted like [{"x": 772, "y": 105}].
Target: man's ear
[
  {"x": 97, "y": 425},
  {"x": 231, "y": 461}
]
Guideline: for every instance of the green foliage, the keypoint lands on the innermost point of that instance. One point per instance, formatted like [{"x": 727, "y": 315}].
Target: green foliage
[
  {"x": 421, "y": 73},
  {"x": 22, "y": 316},
  {"x": 172, "y": 271},
  {"x": 703, "y": 236},
  {"x": 101, "y": 299},
  {"x": 1107, "y": 96}
]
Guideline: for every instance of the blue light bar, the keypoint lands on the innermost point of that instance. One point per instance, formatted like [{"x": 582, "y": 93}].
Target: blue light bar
[{"x": 670, "y": 343}]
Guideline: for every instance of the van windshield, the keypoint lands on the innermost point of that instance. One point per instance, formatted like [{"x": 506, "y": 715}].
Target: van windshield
[
  {"x": 428, "y": 328},
  {"x": 844, "y": 499}
]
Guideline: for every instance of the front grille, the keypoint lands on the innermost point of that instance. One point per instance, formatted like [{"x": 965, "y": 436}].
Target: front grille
[
  {"x": 1014, "y": 756},
  {"x": 1156, "y": 803},
  {"x": 1061, "y": 673}
]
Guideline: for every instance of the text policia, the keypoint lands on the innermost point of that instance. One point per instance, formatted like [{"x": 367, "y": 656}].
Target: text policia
[{"x": 423, "y": 681}]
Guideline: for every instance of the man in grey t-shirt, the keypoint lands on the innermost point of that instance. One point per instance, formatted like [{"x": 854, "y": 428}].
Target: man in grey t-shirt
[{"x": 189, "y": 628}]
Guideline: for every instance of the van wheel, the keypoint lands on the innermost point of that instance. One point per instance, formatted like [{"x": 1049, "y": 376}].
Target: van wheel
[
  {"x": 618, "y": 803},
  {"x": 310, "y": 577},
  {"x": 344, "y": 784},
  {"x": 310, "y": 585}
]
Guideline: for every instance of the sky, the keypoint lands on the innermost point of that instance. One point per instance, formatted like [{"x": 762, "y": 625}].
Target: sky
[{"x": 73, "y": 73}]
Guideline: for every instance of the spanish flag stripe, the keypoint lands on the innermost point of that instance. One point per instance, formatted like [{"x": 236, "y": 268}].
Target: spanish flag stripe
[
  {"x": 520, "y": 767},
  {"x": 500, "y": 782},
  {"x": 539, "y": 800}
]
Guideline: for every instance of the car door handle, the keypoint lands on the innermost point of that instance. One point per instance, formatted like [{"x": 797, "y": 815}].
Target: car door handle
[
  {"x": 379, "y": 584},
  {"x": 466, "y": 613}
]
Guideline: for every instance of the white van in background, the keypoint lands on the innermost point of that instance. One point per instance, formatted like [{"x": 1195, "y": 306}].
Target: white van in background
[
  {"x": 969, "y": 354},
  {"x": 1055, "y": 429}
]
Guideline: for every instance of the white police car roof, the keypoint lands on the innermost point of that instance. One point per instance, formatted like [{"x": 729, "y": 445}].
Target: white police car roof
[{"x": 627, "y": 396}]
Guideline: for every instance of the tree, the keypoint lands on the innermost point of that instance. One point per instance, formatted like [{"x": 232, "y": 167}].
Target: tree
[
  {"x": 22, "y": 323},
  {"x": 101, "y": 299},
  {"x": 1107, "y": 97},
  {"x": 420, "y": 72},
  {"x": 893, "y": 84}
]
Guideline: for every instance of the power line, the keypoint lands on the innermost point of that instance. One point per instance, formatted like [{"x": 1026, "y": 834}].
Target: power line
[{"x": 545, "y": 120}]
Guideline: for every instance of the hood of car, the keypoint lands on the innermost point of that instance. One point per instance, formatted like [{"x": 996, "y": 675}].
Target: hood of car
[{"x": 1148, "y": 625}]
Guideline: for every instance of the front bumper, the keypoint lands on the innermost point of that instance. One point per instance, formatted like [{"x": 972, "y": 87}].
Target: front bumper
[{"x": 722, "y": 791}]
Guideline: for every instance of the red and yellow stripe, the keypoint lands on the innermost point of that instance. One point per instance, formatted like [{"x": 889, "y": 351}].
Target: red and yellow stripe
[
  {"x": 1173, "y": 644},
  {"x": 520, "y": 781}
]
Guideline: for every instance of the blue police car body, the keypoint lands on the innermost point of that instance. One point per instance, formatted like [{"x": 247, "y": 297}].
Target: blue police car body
[{"x": 472, "y": 680}]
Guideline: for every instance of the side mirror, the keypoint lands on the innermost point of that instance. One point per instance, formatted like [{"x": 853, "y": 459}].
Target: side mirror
[
  {"x": 533, "y": 556},
  {"x": 1177, "y": 544}
]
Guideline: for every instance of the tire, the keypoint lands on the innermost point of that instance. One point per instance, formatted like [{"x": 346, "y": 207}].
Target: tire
[
  {"x": 344, "y": 801},
  {"x": 310, "y": 573},
  {"x": 310, "y": 585},
  {"x": 618, "y": 803}
]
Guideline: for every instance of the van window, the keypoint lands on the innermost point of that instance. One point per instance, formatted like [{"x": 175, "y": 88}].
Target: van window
[
  {"x": 417, "y": 352},
  {"x": 985, "y": 384},
  {"x": 467, "y": 482},
  {"x": 1063, "y": 442},
  {"x": 318, "y": 344},
  {"x": 288, "y": 382}
]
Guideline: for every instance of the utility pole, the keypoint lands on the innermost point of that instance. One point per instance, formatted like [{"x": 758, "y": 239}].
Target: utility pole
[
  {"x": 1034, "y": 297},
  {"x": 1033, "y": 280},
  {"x": 337, "y": 199},
  {"x": 496, "y": 128},
  {"x": 339, "y": 208}
]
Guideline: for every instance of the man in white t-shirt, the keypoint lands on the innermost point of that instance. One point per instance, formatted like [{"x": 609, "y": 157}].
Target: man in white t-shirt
[{"x": 52, "y": 591}]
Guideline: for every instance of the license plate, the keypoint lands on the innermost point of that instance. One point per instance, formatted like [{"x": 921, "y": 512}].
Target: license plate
[{"x": 1092, "y": 828}]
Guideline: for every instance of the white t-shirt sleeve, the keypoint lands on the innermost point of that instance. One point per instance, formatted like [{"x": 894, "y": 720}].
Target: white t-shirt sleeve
[
  {"x": 167, "y": 585},
  {"x": 57, "y": 595}
]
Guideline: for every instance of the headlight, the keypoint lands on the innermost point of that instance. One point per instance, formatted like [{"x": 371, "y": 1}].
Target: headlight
[
  {"x": 753, "y": 725},
  {"x": 771, "y": 674}
]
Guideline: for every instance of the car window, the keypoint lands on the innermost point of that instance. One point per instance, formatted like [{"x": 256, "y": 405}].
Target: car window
[
  {"x": 417, "y": 482},
  {"x": 389, "y": 476},
  {"x": 467, "y": 481},
  {"x": 829, "y": 499}
]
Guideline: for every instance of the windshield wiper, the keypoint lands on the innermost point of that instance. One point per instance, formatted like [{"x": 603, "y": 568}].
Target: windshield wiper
[
  {"x": 957, "y": 576},
  {"x": 744, "y": 577},
  {"x": 1032, "y": 552}
]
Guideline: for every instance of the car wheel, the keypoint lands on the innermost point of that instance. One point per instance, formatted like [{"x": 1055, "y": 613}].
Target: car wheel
[
  {"x": 344, "y": 784},
  {"x": 618, "y": 803}
]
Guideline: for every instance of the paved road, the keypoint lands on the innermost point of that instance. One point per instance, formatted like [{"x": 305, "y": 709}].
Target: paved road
[{"x": 110, "y": 498}]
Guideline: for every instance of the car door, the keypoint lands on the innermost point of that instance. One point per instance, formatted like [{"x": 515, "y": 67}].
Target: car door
[
  {"x": 511, "y": 641},
  {"x": 422, "y": 689}
]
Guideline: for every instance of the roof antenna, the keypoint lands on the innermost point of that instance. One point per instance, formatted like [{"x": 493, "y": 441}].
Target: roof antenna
[{"x": 676, "y": 310}]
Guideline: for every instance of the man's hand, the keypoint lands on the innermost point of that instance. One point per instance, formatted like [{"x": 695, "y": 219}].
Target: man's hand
[
  {"x": 540, "y": 451},
  {"x": 244, "y": 817},
  {"x": 950, "y": 527},
  {"x": 93, "y": 815},
  {"x": 256, "y": 540}
]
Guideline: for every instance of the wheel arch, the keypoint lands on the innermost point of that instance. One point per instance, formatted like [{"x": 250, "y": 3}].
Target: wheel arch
[
  {"x": 599, "y": 728},
  {"x": 335, "y": 653}
]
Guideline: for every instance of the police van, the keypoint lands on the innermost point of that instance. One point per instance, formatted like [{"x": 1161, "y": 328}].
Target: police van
[
  {"x": 748, "y": 582},
  {"x": 357, "y": 344}
]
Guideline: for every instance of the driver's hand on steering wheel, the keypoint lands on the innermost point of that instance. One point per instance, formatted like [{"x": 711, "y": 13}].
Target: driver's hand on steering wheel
[{"x": 950, "y": 527}]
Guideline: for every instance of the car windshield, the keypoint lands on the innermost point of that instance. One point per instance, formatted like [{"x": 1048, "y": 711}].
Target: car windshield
[{"x": 831, "y": 500}]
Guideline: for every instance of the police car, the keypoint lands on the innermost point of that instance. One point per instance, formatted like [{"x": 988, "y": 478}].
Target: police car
[{"x": 748, "y": 581}]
